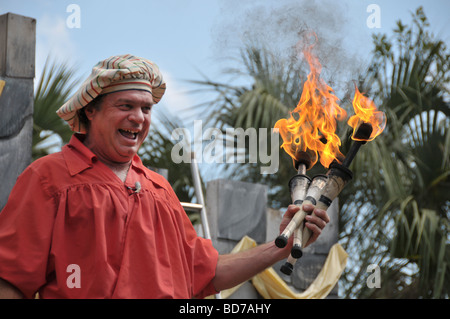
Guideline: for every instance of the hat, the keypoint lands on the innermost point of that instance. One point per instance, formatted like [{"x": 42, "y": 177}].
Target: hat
[{"x": 117, "y": 73}]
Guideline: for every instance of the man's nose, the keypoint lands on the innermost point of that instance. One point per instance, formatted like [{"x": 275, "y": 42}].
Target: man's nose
[{"x": 137, "y": 116}]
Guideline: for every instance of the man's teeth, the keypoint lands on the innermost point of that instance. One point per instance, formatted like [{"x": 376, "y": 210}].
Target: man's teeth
[{"x": 129, "y": 133}]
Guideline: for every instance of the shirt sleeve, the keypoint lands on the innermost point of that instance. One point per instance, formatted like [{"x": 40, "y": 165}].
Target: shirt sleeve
[
  {"x": 205, "y": 264},
  {"x": 26, "y": 224}
]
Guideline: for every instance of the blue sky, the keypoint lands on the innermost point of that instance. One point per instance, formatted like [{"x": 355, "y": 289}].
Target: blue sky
[{"x": 187, "y": 36}]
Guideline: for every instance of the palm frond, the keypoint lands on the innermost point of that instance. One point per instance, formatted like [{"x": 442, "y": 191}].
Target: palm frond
[{"x": 54, "y": 88}]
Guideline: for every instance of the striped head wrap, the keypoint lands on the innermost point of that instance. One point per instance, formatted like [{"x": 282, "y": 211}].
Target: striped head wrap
[{"x": 117, "y": 73}]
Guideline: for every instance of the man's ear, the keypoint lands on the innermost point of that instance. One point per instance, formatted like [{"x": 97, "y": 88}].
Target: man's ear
[{"x": 89, "y": 111}]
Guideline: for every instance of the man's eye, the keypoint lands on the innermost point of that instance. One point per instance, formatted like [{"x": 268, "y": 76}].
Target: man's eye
[
  {"x": 147, "y": 109},
  {"x": 125, "y": 106}
]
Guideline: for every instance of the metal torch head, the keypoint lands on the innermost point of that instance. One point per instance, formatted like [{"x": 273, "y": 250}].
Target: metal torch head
[
  {"x": 363, "y": 132},
  {"x": 302, "y": 158}
]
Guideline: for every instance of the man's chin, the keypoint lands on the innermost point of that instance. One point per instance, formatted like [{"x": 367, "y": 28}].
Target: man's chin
[{"x": 126, "y": 154}]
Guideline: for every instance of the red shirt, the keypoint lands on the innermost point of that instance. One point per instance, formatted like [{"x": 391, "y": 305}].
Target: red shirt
[{"x": 69, "y": 210}]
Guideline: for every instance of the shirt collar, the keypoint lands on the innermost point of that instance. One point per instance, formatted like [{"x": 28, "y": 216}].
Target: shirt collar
[
  {"x": 79, "y": 158},
  {"x": 137, "y": 164}
]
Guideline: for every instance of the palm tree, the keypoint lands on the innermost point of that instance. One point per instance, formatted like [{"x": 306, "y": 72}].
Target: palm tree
[
  {"x": 402, "y": 225},
  {"x": 53, "y": 89},
  {"x": 395, "y": 211}
]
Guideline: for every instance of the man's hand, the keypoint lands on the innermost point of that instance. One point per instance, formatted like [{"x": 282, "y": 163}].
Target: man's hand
[{"x": 315, "y": 223}]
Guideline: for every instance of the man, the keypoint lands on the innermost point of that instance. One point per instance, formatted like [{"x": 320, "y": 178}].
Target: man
[{"x": 92, "y": 222}]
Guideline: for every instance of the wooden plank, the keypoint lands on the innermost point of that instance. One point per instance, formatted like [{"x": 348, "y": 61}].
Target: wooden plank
[{"x": 17, "y": 46}]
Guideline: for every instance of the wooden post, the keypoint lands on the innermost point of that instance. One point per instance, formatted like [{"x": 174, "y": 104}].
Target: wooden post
[{"x": 17, "y": 67}]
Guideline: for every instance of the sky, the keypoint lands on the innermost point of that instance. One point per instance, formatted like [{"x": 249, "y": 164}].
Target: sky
[{"x": 190, "y": 39}]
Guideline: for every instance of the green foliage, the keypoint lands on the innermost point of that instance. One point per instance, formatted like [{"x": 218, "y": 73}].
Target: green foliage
[
  {"x": 53, "y": 89},
  {"x": 395, "y": 212}
]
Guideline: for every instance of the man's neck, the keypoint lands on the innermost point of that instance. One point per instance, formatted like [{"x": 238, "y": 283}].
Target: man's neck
[{"x": 119, "y": 168}]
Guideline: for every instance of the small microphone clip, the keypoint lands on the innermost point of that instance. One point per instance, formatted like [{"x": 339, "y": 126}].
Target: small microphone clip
[{"x": 137, "y": 187}]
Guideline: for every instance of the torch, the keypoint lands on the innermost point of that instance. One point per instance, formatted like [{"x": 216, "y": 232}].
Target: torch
[
  {"x": 322, "y": 190},
  {"x": 309, "y": 133}
]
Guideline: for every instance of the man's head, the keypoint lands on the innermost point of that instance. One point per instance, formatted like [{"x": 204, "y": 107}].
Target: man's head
[{"x": 115, "y": 74}]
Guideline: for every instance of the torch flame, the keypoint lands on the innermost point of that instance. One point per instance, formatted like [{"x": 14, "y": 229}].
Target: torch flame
[
  {"x": 312, "y": 124},
  {"x": 366, "y": 112}
]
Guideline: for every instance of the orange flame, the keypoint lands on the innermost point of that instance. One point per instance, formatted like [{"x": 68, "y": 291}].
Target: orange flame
[
  {"x": 366, "y": 111},
  {"x": 312, "y": 124}
]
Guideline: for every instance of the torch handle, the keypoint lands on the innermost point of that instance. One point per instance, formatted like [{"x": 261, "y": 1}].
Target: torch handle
[
  {"x": 288, "y": 265},
  {"x": 298, "y": 236},
  {"x": 352, "y": 153},
  {"x": 296, "y": 250},
  {"x": 321, "y": 193},
  {"x": 361, "y": 135},
  {"x": 296, "y": 221},
  {"x": 282, "y": 239}
]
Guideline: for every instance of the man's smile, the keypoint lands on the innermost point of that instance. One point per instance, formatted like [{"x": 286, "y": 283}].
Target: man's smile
[{"x": 129, "y": 133}]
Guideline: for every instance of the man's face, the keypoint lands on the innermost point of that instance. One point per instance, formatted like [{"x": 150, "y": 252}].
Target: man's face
[{"x": 120, "y": 125}]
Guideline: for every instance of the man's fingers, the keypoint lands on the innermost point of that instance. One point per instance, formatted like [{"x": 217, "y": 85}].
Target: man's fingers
[
  {"x": 322, "y": 214},
  {"x": 290, "y": 212},
  {"x": 320, "y": 218},
  {"x": 316, "y": 223},
  {"x": 308, "y": 208},
  {"x": 316, "y": 231}
]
